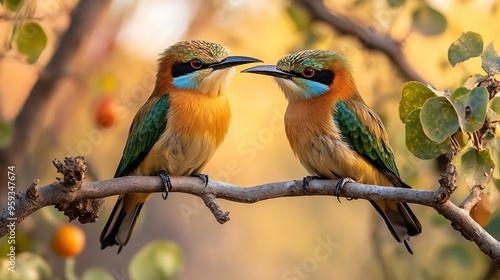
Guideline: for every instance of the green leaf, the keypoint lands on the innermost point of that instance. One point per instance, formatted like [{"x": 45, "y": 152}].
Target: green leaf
[
  {"x": 474, "y": 80},
  {"x": 490, "y": 60},
  {"x": 491, "y": 142},
  {"x": 5, "y": 134},
  {"x": 418, "y": 143},
  {"x": 414, "y": 96},
  {"x": 474, "y": 166},
  {"x": 495, "y": 104},
  {"x": 97, "y": 273},
  {"x": 31, "y": 41},
  {"x": 471, "y": 107},
  {"x": 491, "y": 116},
  {"x": 470, "y": 44},
  {"x": 395, "y": 3},
  {"x": 428, "y": 21},
  {"x": 27, "y": 266},
  {"x": 13, "y": 5},
  {"x": 300, "y": 17},
  {"x": 157, "y": 260},
  {"x": 438, "y": 118}
]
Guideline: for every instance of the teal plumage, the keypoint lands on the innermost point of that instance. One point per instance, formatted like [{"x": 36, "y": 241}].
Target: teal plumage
[
  {"x": 361, "y": 139},
  {"x": 144, "y": 132}
]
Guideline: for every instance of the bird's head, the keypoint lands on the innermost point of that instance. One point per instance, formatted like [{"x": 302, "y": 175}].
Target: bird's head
[
  {"x": 199, "y": 66},
  {"x": 310, "y": 73}
]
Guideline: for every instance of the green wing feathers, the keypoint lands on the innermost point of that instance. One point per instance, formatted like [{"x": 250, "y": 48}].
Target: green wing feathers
[
  {"x": 364, "y": 132},
  {"x": 149, "y": 123}
]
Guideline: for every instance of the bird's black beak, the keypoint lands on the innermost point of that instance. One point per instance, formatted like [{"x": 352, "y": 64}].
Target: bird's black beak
[
  {"x": 231, "y": 61},
  {"x": 270, "y": 70}
]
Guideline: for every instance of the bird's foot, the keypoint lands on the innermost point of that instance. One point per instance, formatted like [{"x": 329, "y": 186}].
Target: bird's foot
[
  {"x": 340, "y": 184},
  {"x": 165, "y": 178},
  {"x": 306, "y": 180},
  {"x": 203, "y": 177}
]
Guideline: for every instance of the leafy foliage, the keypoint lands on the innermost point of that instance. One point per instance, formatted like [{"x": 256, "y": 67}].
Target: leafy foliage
[
  {"x": 438, "y": 128},
  {"x": 31, "y": 41},
  {"x": 32, "y": 265},
  {"x": 5, "y": 133},
  {"x": 469, "y": 45},
  {"x": 414, "y": 96},
  {"x": 475, "y": 166},
  {"x": 12, "y": 5},
  {"x": 467, "y": 108},
  {"x": 428, "y": 21},
  {"x": 470, "y": 106},
  {"x": 434, "y": 119},
  {"x": 491, "y": 60},
  {"x": 417, "y": 141},
  {"x": 157, "y": 260},
  {"x": 97, "y": 273}
]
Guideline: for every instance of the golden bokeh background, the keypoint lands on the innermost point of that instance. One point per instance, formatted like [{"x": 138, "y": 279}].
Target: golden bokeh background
[{"x": 269, "y": 239}]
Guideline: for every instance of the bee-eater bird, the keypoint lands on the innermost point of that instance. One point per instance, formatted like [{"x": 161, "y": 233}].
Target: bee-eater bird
[
  {"x": 178, "y": 129},
  {"x": 334, "y": 133}
]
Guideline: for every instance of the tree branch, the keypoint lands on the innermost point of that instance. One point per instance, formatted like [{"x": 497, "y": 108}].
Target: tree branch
[
  {"x": 473, "y": 199},
  {"x": 73, "y": 192},
  {"x": 367, "y": 36}
]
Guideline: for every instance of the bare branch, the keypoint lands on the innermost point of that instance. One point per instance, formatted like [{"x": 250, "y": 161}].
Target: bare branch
[
  {"x": 367, "y": 36},
  {"x": 448, "y": 181},
  {"x": 86, "y": 196},
  {"x": 212, "y": 204},
  {"x": 473, "y": 199}
]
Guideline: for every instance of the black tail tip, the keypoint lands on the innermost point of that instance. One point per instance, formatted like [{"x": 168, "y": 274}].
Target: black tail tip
[
  {"x": 408, "y": 247},
  {"x": 105, "y": 245}
]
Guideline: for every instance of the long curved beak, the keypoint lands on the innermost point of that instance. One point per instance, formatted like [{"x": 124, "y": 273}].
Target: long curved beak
[
  {"x": 231, "y": 61},
  {"x": 270, "y": 70}
]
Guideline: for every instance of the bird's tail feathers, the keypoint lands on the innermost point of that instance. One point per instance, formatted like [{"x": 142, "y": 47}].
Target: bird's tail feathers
[
  {"x": 120, "y": 225},
  {"x": 401, "y": 221}
]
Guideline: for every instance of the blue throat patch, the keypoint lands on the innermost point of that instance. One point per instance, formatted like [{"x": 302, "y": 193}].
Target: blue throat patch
[
  {"x": 313, "y": 88},
  {"x": 185, "y": 81}
]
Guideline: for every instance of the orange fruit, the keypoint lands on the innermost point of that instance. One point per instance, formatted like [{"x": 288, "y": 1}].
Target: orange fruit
[
  {"x": 482, "y": 212},
  {"x": 68, "y": 241},
  {"x": 106, "y": 113}
]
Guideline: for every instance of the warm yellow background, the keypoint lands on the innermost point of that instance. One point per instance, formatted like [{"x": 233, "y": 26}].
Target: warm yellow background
[{"x": 264, "y": 240}]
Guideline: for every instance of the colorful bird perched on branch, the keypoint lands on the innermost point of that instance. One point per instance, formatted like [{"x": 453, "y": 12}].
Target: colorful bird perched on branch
[
  {"x": 178, "y": 129},
  {"x": 335, "y": 134}
]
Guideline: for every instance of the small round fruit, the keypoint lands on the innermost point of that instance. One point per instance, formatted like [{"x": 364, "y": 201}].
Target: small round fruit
[
  {"x": 68, "y": 241},
  {"x": 106, "y": 113},
  {"x": 482, "y": 212}
]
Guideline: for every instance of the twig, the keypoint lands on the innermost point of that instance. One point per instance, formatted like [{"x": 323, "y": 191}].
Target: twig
[
  {"x": 473, "y": 199},
  {"x": 367, "y": 36},
  {"x": 57, "y": 194},
  {"x": 448, "y": 181}
]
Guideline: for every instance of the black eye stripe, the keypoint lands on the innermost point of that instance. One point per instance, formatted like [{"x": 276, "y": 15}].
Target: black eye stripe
[
  {"x": 321, "y": 76},
  {"x": 181, "y": 69},
  {"x": 324, "y": 76}
]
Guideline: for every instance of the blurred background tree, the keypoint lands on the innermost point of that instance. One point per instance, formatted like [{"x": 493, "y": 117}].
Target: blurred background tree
[{"x": 73, "y": 74}]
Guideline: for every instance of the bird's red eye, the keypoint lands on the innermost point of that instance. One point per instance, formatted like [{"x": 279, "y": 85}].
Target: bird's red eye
[
  {"x": 196, "y": 63},
  {"x": 308, "y": 72}
]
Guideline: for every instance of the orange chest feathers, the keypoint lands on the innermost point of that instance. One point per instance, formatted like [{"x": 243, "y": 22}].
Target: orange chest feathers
[
  {"x": 197, "y": 116},
  {"x": 306, "y": 119}
]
